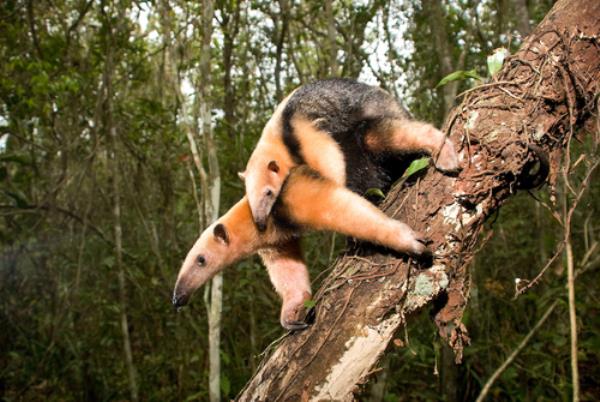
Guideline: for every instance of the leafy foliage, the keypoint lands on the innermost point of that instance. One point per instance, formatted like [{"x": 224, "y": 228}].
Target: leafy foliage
[{"x": 459, "y": 76}]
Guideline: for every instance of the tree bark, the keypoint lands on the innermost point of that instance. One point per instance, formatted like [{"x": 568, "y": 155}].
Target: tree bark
[
  {"x": 212, "y": 196},
  {"x": 448, "y": 372},
  {"x": 528, "y": 111}
]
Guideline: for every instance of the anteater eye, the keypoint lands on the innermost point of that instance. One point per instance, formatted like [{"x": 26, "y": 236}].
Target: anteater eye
[
  {"x": 269, "y": 193},
  {"x": 201, "y": 260}
]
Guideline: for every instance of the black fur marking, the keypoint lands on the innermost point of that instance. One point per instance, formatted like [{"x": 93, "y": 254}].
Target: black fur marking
[
  {"x": 289, "y": 138},
  {"x": 305, "y": 171},
  {"x": 280, "y": 212},
  {"x": 220, "y": 232},
  {"x": 281, "y": 217}
]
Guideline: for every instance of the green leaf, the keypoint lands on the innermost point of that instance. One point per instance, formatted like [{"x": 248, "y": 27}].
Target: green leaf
[
  {"x": 458, "y": 76},
  {"x": 374, "y": 192},
  {"x": 496, "y": 59},
  {"x": 416, "y": 165},
  {"x": 310, "y": 303}
]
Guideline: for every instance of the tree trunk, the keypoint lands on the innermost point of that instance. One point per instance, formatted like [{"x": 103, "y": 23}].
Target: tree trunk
[
  {"x": 522, "y": 14},
  {"x": 212, "y": 195},
  {"x": 230, "y": 25},
  {"x": 111, "y": 132},
  {"x": 437, "y": 20},
  {"x": 331, "y": 39},
  {"x": 448, "y": 372},
  {"x": 281, "y": 22},
  {"x": 529, "y": 110}
]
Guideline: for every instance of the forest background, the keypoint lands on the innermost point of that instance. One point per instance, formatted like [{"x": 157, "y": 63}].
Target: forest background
[{"x": 123, "y": 125}]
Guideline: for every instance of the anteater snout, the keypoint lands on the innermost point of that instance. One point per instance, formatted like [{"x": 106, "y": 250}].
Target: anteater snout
[
  {"x": 261, "y": 225},
  {"x": 180, "y": 298}
]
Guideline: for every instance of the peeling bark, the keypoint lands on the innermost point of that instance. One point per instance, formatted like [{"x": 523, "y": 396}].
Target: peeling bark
[{"x": 529, "y": 110}]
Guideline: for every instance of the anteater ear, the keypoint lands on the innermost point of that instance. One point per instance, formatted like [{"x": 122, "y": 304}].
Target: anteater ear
[
  {"x": 221, "y": 233},
  {"x": 273, "y": 166},
  {"x": 242, "y": 175}
]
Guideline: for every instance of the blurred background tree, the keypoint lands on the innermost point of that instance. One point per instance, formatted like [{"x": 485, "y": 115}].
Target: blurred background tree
[{"x": 113, "y": 131}]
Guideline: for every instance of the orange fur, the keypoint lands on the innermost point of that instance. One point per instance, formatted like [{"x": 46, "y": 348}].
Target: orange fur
[
  {"x": 341, "y": 210},
  {"x": 244, "y": 239},
  {"x": 280, "y": 252},
  {"x": 405, "y": 136},
  {"x": 320, "y": 151},
  {"x": 314, "y": 197}
]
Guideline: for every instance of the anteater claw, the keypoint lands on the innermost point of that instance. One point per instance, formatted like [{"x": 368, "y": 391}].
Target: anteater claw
[
  {"x": 294, "y": 325},
  {"x": 447, "y": 159}
]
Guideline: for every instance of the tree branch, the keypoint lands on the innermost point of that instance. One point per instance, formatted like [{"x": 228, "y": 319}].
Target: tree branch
[{"x": 514, "y": 354}]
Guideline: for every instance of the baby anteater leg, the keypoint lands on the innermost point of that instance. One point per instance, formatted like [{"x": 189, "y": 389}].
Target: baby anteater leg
[
  {"x": 290, "y": 278},
  {"x": 407, "y": 136},
  {"x": 318, "y": 203}
]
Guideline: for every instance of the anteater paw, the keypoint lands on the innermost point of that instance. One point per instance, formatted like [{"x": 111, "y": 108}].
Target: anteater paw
[
  {"x": 293, "y": 312},
  {"x": 412, "y": 242},
  {"x": 447, "y": 159},
  {"x": 419, "y": 245}
]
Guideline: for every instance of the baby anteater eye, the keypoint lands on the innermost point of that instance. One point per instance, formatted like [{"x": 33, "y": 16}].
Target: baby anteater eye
[
  {"x": 201, "y": 260},
  {"x": 269, "y": 193}
]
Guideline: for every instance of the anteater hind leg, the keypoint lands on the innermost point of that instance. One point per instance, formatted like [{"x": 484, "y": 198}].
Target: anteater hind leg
[
  {"x": 318, "y": 203},
  {"x": 290, "y": 278},
  {"x": 406, "y": 136}
]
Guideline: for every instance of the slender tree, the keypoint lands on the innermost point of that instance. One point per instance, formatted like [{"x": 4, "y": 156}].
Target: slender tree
[
  {"x": 212, "y": 195},
  {"x": 110, "y": 130}
]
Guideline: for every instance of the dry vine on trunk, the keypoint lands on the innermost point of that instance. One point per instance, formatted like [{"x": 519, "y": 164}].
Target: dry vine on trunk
[{"x": 527, "y": 113}]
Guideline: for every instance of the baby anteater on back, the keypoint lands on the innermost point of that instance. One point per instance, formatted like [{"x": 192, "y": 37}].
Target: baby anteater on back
[
  {"x": 352, "y": 133},
  {"x": 348, "y": 111}
]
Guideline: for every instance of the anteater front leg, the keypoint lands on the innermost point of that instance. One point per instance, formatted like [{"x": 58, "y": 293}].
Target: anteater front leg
[
  {"x": 315, "y": 202},
  {"x": 290, "y": 278}
]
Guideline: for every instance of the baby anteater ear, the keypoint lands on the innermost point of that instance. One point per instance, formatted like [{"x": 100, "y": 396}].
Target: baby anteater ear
[
  {"x": 221, "y": 233},
  {"x": 273, "y": 166},
  {"x": 242, "y": 175}
]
